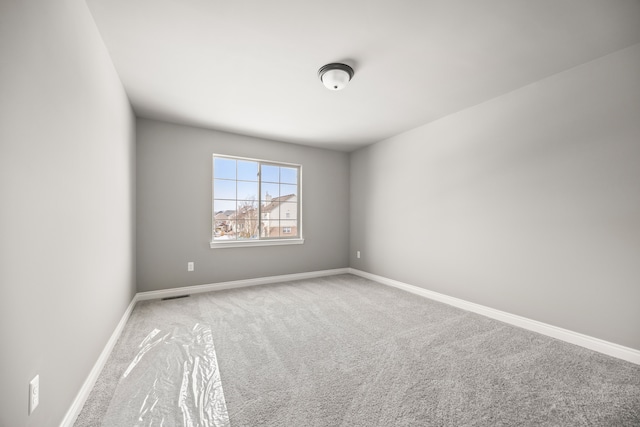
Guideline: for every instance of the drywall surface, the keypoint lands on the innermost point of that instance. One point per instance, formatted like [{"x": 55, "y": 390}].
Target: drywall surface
[
  {"x": 174, "y": 208},
  {"x": 528, "y": 203},
  {"x": 67, "y": 216}
]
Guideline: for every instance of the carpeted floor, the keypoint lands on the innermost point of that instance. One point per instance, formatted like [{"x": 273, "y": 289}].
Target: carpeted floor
[{"x": 346, "y": 351}]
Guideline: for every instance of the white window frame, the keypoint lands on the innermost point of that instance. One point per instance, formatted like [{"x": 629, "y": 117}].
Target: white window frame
[{"x": 297, "y": 240}]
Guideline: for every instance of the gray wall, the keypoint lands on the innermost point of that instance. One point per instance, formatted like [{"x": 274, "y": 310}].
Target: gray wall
[
  {"x": 67, "y": 219},
  {"x": 528, "y": 203},
  {"x": 174, "y": 166}
]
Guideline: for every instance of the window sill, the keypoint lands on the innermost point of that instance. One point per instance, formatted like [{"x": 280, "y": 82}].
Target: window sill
[{"x": 247, "y": 243}]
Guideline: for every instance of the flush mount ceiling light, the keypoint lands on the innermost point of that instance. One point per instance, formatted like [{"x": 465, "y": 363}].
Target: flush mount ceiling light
[{"x": 335, "y": 76}]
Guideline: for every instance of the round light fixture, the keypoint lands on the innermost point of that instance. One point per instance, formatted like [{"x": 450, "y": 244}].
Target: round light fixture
[{"x": 335, "y": 76}]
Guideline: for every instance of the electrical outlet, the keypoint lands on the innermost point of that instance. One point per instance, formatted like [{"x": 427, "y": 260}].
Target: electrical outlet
[
  {"x": 357, "y": 254},
  {"x": 34, "y": 393},
  {"x": 191, "y": 266}
]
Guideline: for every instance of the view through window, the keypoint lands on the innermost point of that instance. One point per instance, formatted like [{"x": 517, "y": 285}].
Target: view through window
[{"x": 255, "y": 200}]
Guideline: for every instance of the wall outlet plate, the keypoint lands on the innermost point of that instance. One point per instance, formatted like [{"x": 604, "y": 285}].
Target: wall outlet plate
[
  {"x": 191, "y": 266},
  {"x": 34, "y": 393}
]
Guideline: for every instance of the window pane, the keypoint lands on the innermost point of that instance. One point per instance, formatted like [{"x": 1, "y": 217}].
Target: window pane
[
  {"x": 288, "y": 223},
  {"x": 270, "y": 191},
  {"x": 224, "y": 168},
  {"x": 270, "y": 173},
  {"x": 225, "y": 206},
  {"x": 272, "y": 209},
  {"x": 247, "y": 229},
  {"x": 224, "y": 189},
  {"x": 247, "y": 220},
  {"x": 247, "y": 191},
  {"x": 248, "y": 171},
  {"x": 247, "y": 207},
  {"x": 287, "y": 189},
  {"x": 289, "y": 175},
  {"x": 224, "y": 230},
  {"x": 272, "y": 229},
  {"x": 288, "y": 210}
]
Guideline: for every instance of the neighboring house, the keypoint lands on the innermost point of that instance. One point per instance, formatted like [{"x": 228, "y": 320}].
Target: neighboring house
[
  {"x": 280, "y": 217},
  {"x": 222, "y": 225}
]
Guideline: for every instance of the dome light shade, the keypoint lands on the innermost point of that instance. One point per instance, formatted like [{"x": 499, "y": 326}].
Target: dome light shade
[{"x": 335, "y": 76}]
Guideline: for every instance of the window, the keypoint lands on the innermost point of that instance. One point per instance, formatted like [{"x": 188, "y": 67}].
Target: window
[{"x": 255, "y": 202}]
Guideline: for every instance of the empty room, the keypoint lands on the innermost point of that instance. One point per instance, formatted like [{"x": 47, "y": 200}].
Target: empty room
[{"x": 296, "y": 213}]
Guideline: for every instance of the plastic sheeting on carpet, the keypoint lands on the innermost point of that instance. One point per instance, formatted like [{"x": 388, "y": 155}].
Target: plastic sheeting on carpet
[{"x": 172, "y": 381}]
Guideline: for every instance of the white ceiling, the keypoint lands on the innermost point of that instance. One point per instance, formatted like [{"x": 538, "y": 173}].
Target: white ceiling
[{"x": 250, "y": 66}]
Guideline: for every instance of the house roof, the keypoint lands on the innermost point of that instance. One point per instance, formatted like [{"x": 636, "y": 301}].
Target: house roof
[
  {"x": 221, "y": 216},
  {"x": 276, "y": 201}
]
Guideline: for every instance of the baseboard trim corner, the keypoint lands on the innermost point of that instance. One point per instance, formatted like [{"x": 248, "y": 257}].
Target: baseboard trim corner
[
  {"x": 172, "y": 292},
  {"x": 76, "y": 407},
  {"x": 586, "y": 341}
]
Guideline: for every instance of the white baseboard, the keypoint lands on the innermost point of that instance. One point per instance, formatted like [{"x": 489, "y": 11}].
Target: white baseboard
[
  {"x": 73, "y": 412},
  {"x": 187, "y": 290},
  {"x": 596, "y": 344}
]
